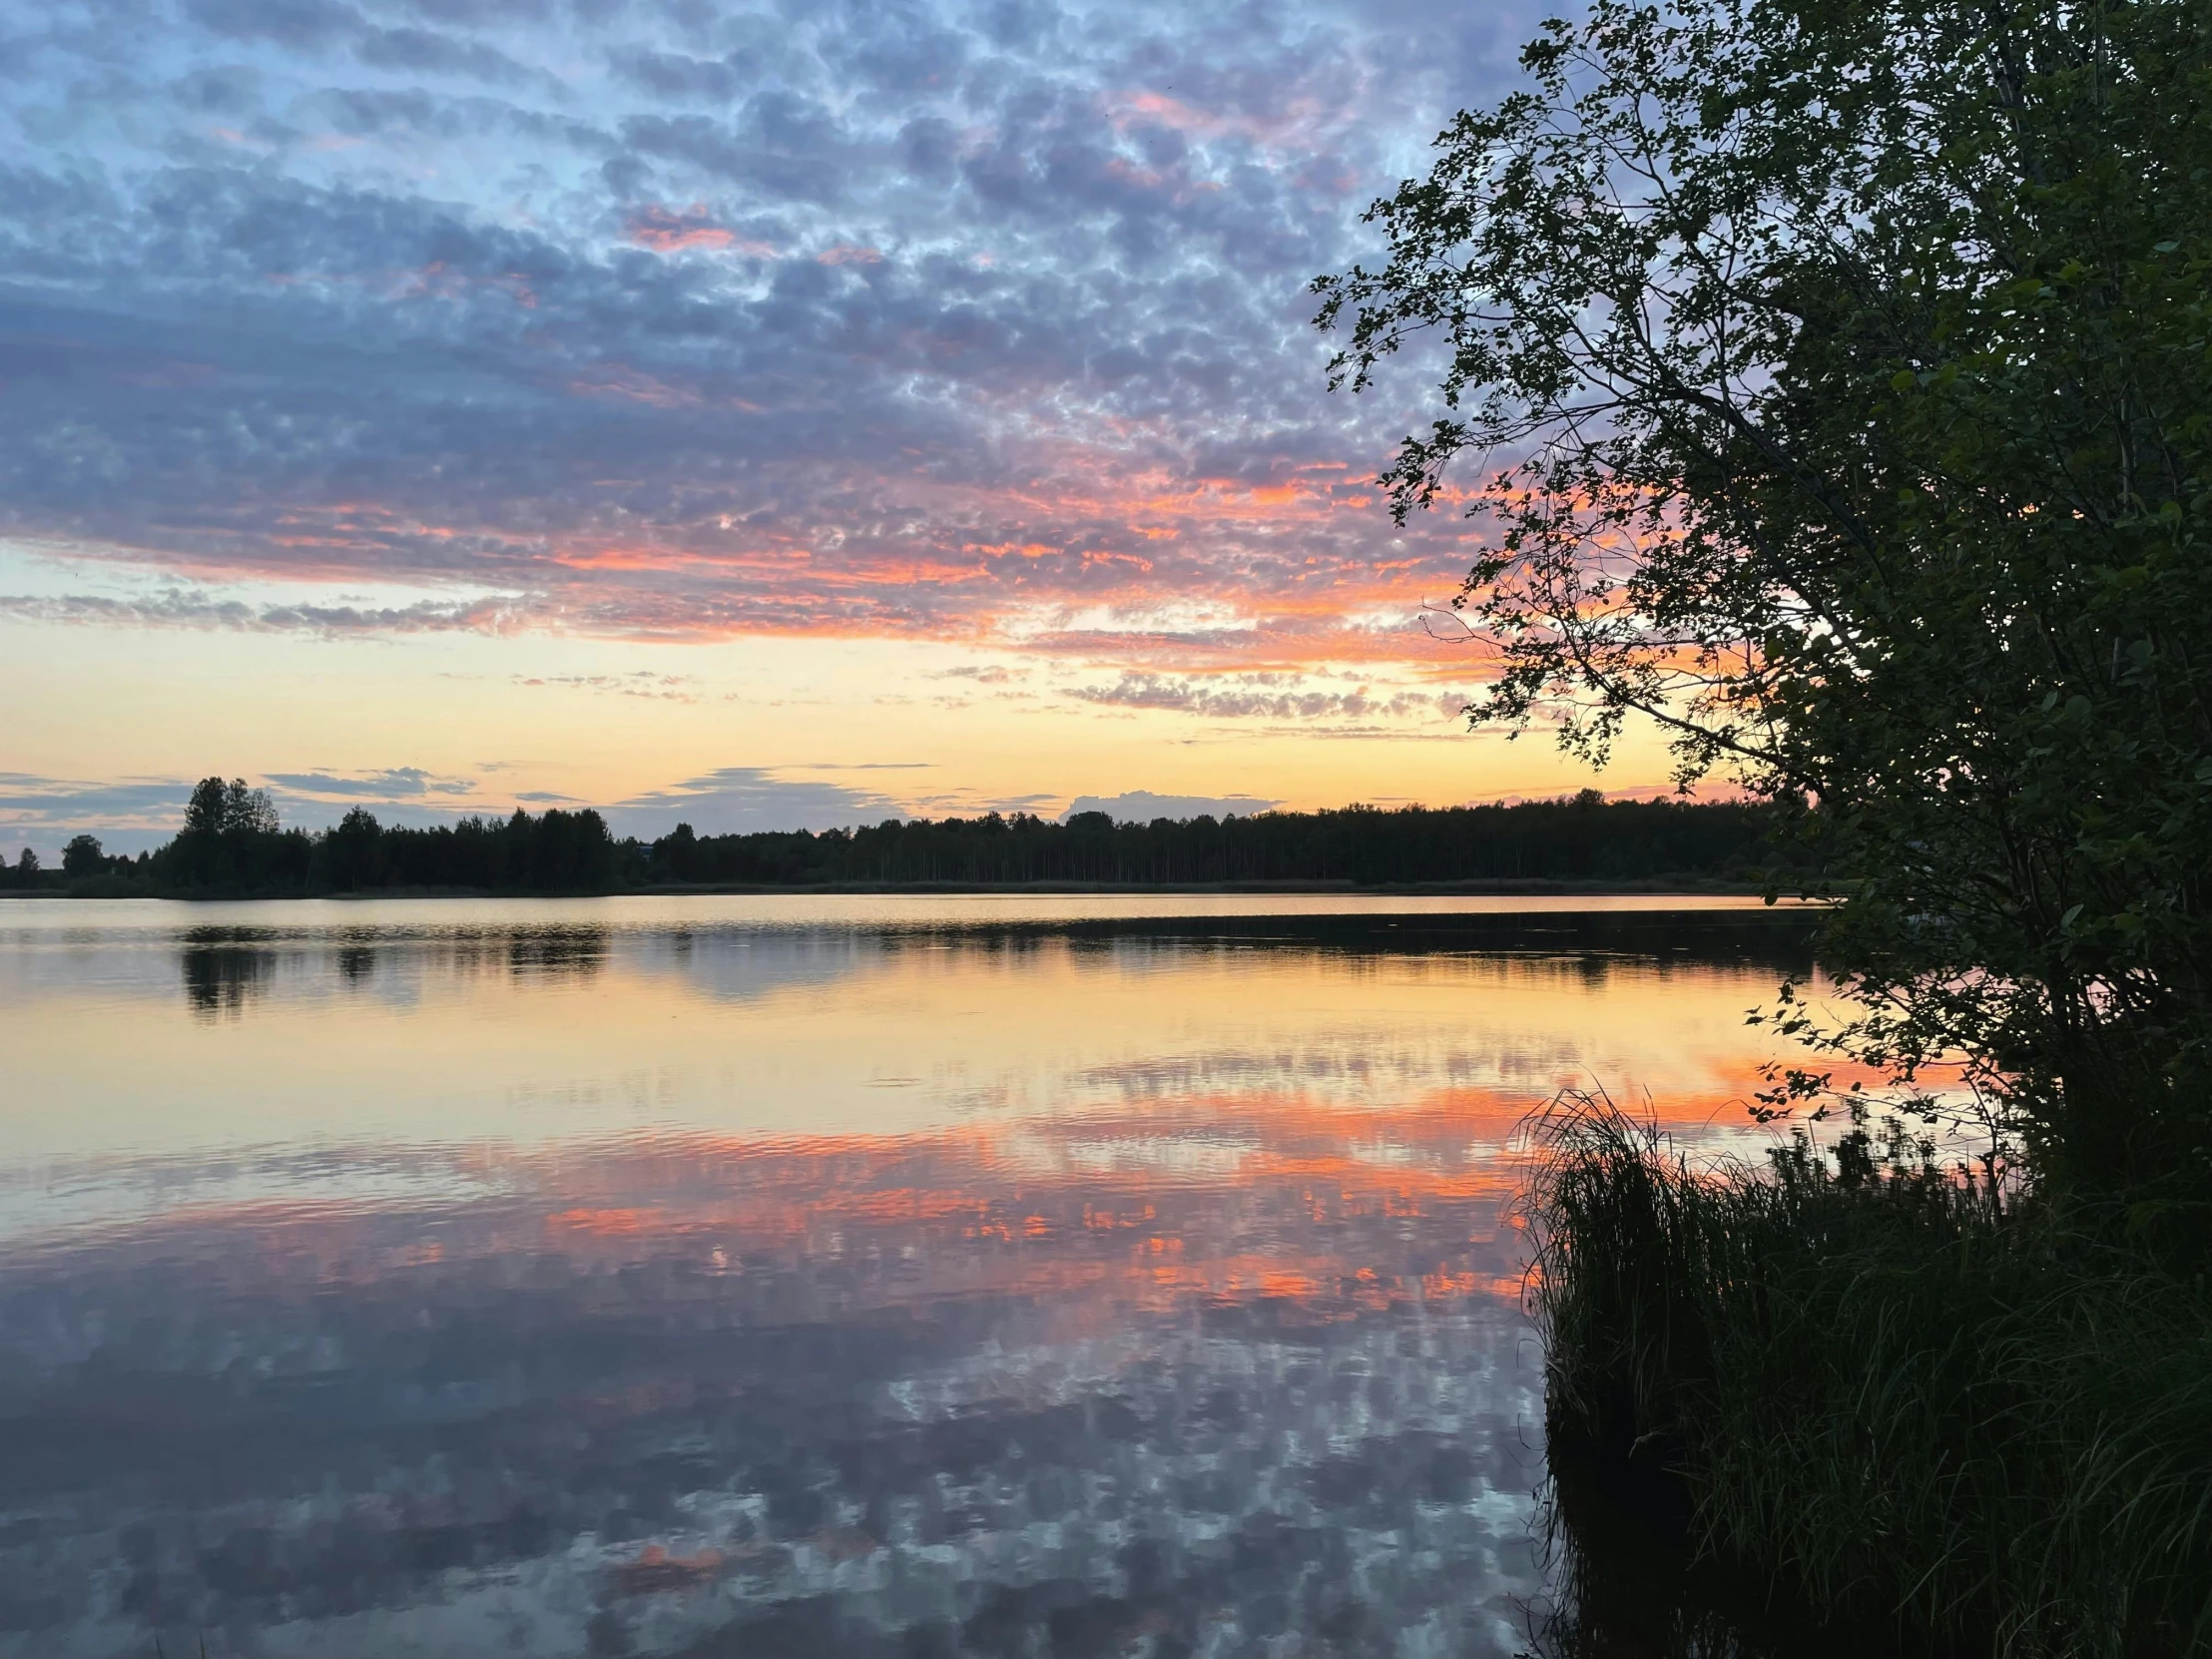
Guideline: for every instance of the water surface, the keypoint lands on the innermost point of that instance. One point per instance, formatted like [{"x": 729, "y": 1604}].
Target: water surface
[{"x": 771, "y": 1275}]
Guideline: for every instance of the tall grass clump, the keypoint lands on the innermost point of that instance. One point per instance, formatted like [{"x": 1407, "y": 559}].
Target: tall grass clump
[{"x": 1948, "y": 1417}]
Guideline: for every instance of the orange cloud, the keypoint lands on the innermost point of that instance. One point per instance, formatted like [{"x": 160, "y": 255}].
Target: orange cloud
[{"x": 668, "y": 232}]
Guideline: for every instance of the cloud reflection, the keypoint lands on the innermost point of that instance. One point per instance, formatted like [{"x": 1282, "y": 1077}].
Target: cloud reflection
[
  {"x": 698, "y": 1397},
  {"x": 574, "y": 1287}
]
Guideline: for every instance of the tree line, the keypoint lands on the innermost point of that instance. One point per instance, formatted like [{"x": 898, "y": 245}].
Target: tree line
[
  {"x": 231, "y": 844},
  {"x": 1583, "y": 838}
]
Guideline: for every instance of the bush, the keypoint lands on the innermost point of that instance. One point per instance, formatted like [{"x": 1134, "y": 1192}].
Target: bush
[{"x": 1924, "y": 1406}]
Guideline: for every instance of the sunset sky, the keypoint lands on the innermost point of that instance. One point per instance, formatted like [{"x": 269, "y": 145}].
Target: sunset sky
[{"x": 762, "y": 415}]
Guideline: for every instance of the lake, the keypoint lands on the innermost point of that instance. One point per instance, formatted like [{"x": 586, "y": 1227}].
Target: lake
[{"x": 754, "y": 1277}]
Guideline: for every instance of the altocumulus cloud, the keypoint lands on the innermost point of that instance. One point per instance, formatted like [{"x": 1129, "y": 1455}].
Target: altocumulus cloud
[
  {"x": 390, "y": 783},
  {"x": 133, "y": 815},
  {"x": 973, "y": 318},
  {"x": 130, "y": 814},
  {"x": 741, "y": 800},
  {"x": 1276, "y": 697},
  {"x": 1142, "y": 806}
]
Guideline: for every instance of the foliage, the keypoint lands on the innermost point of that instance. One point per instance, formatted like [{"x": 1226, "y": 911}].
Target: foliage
[
  {"x": 233, "y": 809},
  {"x": 1847, "y": 365},
  {"x": 23, "y": 874},
  {"x": 1583, "y": 839},
  {"x": 82, "y": 857},
  {"x": 1580, "y": 840},
  {"x": 231, "y": 843},
  {"x": 1908, "y": 1399}
]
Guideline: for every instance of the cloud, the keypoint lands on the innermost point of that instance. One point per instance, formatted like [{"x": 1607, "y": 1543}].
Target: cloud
[
  {"x": 129, "y": 815},
  {"x": 135, "y": 814},
  {"x": 743, "y": 800},
  {"x": 202, "y": 608},
  {"x": 393, "y": 782},
  {"x": 645, "y": 683},
  {"x": 138, "y": 814},
  {"x": 1263, "y": 697},
  {"x": 1142, "y": 806},
  {"x": 668, "y": 232},
  {"x": 952, "y": 320}
]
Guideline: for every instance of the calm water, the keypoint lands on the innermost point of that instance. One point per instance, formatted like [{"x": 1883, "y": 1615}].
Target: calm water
[{"x": 760, "y": 1277}]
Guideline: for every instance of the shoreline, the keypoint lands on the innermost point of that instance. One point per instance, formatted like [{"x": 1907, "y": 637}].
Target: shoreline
[{"x": 1682, "y": 886}]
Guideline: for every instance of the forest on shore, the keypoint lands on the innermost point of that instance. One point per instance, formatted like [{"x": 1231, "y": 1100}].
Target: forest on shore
[{"x": 231, "y": 846}]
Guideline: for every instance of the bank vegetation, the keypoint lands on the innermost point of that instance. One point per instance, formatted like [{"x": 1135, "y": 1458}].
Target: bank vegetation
[
  {"x": 1833, "y": 383},
  {"x": 232, "y": 845}
]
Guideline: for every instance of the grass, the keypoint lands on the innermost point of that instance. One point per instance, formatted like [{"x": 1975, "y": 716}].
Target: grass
[{"x": 1899, "y": 1406}]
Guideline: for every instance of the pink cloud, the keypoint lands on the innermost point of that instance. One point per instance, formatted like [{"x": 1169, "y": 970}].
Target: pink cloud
[{"x": 667, "y": 232}]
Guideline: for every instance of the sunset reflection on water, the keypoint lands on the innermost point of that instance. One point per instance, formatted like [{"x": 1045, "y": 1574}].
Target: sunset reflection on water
[{"x": 574, "y": 1280}]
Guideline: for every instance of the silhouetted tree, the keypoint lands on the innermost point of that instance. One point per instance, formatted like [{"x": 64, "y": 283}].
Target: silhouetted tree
[
  {"x": 222, "y": 809},
  {"x": 675, "y": 853},
  {"x": 82, "y": 857},
  {"x": 203, "y": 812},
  {"x": 1846, "y": 370},
  {"x": 232, "y": 840},
  {"x": 351, "y": 853}
]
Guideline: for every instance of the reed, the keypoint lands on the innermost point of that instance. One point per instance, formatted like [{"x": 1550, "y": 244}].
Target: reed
[{"x": 1899, "y": 1403}]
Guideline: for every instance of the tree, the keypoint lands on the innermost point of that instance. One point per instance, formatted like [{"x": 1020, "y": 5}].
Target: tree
[
  {"x": 352, "y": 852},
  {"x": 204, "y": 813},
  {"x": 26, "y": 863},
  {"x": 231, "y": 837},
  {"x": 1844, "y": 368},
  {"x": 248, "y": 811},
  {"x": 233, "y": 809},
  {"x": 676, "y": 853},
  {"x": 82, "y": 857}
]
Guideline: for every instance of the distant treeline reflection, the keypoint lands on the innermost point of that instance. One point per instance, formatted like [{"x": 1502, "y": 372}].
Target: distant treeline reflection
[
  {"x": 231, "y": 843},
  {"x": 229, "y": 969}
]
